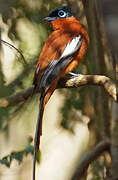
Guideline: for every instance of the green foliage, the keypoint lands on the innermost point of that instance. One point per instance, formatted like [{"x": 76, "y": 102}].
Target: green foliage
[
  {"x": 19, "y": 155},
  {"x": 5, "y": 161}
]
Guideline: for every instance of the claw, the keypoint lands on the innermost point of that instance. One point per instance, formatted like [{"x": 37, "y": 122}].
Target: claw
[{"x": 74, "y": 76}]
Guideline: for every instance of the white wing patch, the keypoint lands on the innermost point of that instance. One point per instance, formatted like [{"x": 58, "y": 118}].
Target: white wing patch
[{"x": 72, "y": 47}]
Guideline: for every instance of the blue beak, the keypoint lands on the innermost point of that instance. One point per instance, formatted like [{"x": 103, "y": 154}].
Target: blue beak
[{"x": 49, "y": 18}]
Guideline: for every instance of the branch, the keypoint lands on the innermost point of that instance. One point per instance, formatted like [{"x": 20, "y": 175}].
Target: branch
[
  {"x": 97, "y": 80},
  {"x": 89, "y": 158},
  {"x": 66, "y": 82},
  {"x": 16, "y": 98}
]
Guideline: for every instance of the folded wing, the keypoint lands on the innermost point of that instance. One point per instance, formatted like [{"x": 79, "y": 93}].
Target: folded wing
[{"x": 55, "y": 68}]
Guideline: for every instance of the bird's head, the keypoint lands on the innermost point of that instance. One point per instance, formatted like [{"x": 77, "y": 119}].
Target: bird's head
[{"x": 59, "y": 13}]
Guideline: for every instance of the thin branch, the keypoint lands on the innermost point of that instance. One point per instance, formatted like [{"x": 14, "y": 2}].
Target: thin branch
[
  {"x": 13, "y": 47},
  {"x": 89, "y": 158},
  {"x": 66, "y": 82}
]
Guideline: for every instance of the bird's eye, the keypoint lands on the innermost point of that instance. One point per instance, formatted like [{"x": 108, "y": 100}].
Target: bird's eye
[{"x": 62, "y": 14}]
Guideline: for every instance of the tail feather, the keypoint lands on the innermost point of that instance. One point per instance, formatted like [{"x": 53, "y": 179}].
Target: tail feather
[{"x": 38, "y": 133}]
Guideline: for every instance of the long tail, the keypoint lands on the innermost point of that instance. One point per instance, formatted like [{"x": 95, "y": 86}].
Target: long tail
[{"x": 38, "y": 133}]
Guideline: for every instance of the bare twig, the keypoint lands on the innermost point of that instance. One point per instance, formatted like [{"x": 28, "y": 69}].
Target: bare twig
[
  {"x": 89, "y": 158},
  {"x": 13, "y": 47},
  {"x": 66, "y": 82}
]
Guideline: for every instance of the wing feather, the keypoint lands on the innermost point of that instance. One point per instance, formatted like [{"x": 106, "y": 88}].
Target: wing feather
[{"x": 57, "y": 66}]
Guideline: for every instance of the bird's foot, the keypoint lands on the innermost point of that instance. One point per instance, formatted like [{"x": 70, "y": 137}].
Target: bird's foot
[{"x": 74, "y": 76}]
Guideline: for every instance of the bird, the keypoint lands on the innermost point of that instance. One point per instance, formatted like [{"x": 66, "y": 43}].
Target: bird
[{"x": 63, "y": 50}]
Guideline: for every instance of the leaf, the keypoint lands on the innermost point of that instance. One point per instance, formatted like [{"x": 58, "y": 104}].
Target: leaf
[
  {"x": 29, "y": 149},
  {"x": 20, "y": 155},
  {"x": 5, "y": 161},
  {"x": 17, "y": 155},
  {"x": 38, "y": 156}
]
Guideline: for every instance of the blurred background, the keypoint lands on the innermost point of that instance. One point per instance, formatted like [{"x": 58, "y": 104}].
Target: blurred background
[{"x": 74, "y": 119}]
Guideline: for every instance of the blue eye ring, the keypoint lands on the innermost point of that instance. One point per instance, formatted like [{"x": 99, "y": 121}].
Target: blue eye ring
[{"x": 62, "y": 14}]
